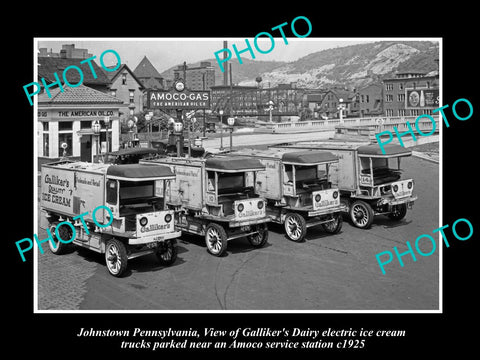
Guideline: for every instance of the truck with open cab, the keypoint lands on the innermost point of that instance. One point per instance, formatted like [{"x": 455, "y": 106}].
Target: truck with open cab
[
  {"x": 298, "y": 189},
  {"x": 142, "y": 224},
  {"x": 214, "y": 197},
  {"x": 368, "y": 180}
]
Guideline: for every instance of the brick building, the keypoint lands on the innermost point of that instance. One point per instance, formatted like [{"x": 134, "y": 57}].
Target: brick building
[
  {"x": 370, "y": 100},
  {"x": 410, "y": 93},
  {"x": 196, "y": 78}
]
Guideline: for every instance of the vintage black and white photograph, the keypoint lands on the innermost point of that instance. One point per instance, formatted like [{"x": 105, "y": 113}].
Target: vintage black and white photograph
[{"x": 269, "y": 174}]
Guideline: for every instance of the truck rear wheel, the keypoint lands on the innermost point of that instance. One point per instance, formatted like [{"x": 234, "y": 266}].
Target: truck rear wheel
[
  {"x": 116, "y": 257},
  {"x": 361, "y": 214},
  {"x": 167, "y": 252},
  {"x": 216, "y": 239},
  {"x": 260, "y": 238},
  {"x": 65, "y": 233},
  {"x": 398, "y": 212},
  {"x": 295, "y": 227},
  {"x": 334, "y": 227}
]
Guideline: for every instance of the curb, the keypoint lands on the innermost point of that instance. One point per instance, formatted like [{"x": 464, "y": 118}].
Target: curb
[{"x": 425, "y": 157}]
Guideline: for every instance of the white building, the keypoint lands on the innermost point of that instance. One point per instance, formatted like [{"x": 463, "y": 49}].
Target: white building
[{"x": 66, "y": 118}]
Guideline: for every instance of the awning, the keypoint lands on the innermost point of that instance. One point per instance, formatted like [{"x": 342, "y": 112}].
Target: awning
[
  {"x": 391, "y": 150},
  {"x": 139, "y": 172},
  {"x": 308, "y": 157},
  {"x": 233, "y": 164}
]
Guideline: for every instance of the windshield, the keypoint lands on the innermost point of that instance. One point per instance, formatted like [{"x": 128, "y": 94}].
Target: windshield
[
  {"x": 313, "y": 177},
  {"x": 230, "y": 183},
  {"x": 138, "y": 197},
  {"x": 383, "y": 171}
]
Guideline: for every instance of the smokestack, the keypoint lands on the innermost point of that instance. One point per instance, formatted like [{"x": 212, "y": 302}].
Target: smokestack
[{"x": 225, "y": 73}]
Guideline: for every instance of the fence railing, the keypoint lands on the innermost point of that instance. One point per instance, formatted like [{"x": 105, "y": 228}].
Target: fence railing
[{"x": 378, "y": 122}]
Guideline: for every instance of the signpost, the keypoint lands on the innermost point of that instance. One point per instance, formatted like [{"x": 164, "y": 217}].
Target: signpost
[{"x": 179, "y": 98}]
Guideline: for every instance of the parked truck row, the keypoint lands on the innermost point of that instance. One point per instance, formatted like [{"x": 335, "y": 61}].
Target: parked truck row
[{"x": 221, "y": 197}]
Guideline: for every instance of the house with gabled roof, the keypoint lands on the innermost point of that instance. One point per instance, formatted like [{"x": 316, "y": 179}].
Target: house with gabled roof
[
  {"x": 125, "y": 85},
  {"x": 148, "y": 75}
]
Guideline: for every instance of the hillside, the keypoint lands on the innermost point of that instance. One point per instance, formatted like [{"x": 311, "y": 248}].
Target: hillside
[{"x": 353, "y": 65}]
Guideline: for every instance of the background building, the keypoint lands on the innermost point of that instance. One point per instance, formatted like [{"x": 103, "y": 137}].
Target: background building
[
  {"x": 125, "y": 86},
  {"x": 68, "y": 51},
  {"x": 148, "y": 75},
  {"x": 196, "y": 78},
  {"x": 410, "y": 94},
  {"x": 370, "y": 100}
]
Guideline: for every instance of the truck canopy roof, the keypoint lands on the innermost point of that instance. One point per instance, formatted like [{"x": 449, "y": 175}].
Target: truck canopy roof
[
  {"x": 373, "y": 150},
  {"x": 133, "y": 151},
  {"x": 139, "y": 172},
  {"x": 308, "y": 157},
  {"x": 233, "y": 164}
]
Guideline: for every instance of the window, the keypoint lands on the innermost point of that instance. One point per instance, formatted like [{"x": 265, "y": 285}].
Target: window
[
  {"x": 401, "y": 97},
  {"x": 389, "y": 112},
  {"x": 65, "y": 125},
  {"x": 362, "y": 98},
  {"x": 86, "y": 124},
  {"x": 367, "y": 98},
  {"x": 401, "y": 112},
  {"x": 389, "y": 98},
  {"x": 400, "y": 86},
  {"x": 45, "y": 145},
  {"x": 388, "y": 87},
  {"x": 124, "y": 79},
  {"x": 45, "y": 126},
  {"x": 65, "y": 138},
  {"x": 132, "y": 98},
  {"x": 113, "y": 92},
  {"x": 112, "y": 192}
]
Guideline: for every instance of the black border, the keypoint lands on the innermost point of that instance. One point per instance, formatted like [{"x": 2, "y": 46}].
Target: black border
[{"x": 54, "y": 334}]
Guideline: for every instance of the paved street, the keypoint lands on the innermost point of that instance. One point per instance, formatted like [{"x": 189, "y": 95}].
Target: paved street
[{"x": 325, "y": 272}]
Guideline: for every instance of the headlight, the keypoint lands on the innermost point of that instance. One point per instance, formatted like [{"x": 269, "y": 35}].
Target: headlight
[
  {"x": 335, "y": 194},
  {"x": 395, "y": 188},
  {"x": 260, "y": 204},
  {"x": 168, "y": 218},
  {"x": 143, "y": 221},
  {"x": 410, "y": 184},
  {"x": 318, "y": 197},
  {"x": 240, "y": 207}
]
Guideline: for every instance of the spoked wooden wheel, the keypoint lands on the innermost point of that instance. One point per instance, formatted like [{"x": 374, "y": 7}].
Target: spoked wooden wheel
[
  {"x": 361, "y": 214},
  {"x": 216, "y": 239},
  {"x": 260, "y": 238},
  {"x": 334, "y": 227},
  {"x": 167, "y": 252},
  {"x": 116, "y": 257},
  {"x": 295, "y": 227},
  {"x": 398, "y": 212}
]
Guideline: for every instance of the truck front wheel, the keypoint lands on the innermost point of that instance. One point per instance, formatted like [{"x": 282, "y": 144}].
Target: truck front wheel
[
  {"x": 167, "y": 252},
  {"x": 295, "y": 227},
  {"x": 260, "y": 238},
  {"x": 216, "y": 239},
  {"x": 334, "y": 227},
  {"x": 361, "y": 214},
  {"x": 398, "y": 212},
  {"x": 116, "y": 257}
]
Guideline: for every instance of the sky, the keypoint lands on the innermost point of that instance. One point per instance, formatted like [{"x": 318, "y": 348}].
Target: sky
[{"x": 165, "y": 53}]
